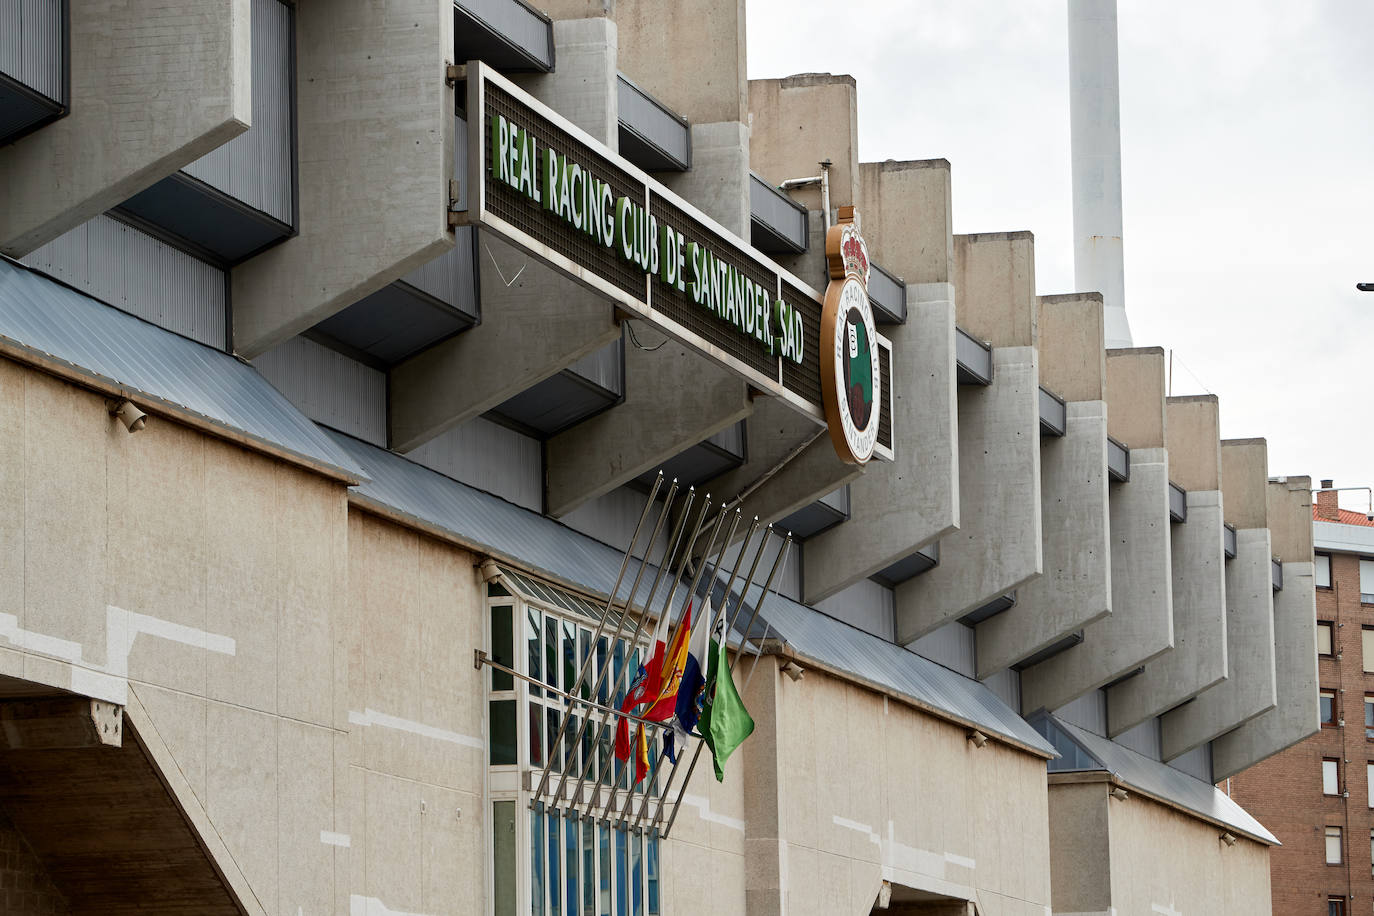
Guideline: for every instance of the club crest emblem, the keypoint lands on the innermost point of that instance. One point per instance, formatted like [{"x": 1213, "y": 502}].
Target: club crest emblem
[{"x": 850, "y": 381}]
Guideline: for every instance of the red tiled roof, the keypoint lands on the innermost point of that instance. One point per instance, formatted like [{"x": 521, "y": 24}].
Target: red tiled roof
[{"x": 1344, "y": 517}]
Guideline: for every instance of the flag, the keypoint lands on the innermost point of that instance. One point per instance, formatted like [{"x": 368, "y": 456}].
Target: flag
[
  {"x": 692, "y": 687},
  {"x": 656, "y": 686},
  {"x": 724, "y": 723},
  {"x": 641, "y": 755}
]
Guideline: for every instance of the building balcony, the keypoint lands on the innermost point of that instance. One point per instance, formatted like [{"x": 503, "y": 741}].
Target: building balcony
[
  {"x": 652, "y": 135},
  {"x": 511, "y": 36}
]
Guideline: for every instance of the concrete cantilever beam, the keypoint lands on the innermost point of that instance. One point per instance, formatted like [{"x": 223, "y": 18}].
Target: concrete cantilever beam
[
  {"x": 998, "y": 545},
  {"x": 1295, "y": 638},
  {"x": 898, "y": 507},
  {"x": 1198, "y": 659},
  {"x": 1249, "y": 688},
  {"x": 1075, "y": 589},
  {"x": 129, "y": 125},
  {"x": 386, "y": 72},
  {"x": 1140, "y": 627}
]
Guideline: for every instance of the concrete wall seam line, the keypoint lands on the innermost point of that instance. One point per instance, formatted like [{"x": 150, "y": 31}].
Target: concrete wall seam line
[
  {"x": 370, "y": 717},
  {"x": 109, "y": 680}
]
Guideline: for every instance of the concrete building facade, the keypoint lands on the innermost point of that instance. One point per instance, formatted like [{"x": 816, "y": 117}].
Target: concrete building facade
[{"x": 339, "y": 351}]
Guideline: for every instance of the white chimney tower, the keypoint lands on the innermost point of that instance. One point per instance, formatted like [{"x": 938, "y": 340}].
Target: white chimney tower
[{"x": 1095, "y": 122}]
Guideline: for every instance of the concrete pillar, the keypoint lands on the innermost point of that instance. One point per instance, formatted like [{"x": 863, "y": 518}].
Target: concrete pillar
[
  {"x": 796, "y": 123},
  {"x": 898, "y": 507},
  {"x": 154, "y": 86},
  {"x": 1198, "y": 564},
  {"x": 765, "y": 877},
  {"x": 1140, "y": 626},
  {"x": 1249, "y": 688},
  {"x": 1295, "y": 716},
  {"x": 1080, "y": 843},
  {"x": 690, "y": 55},
  {"x": 583, "y": 87},
  {"x": 1075, "y": 589},
  {"x": 522, "y": 339},
  {"x": 997, "y": 546},
  {"x": 375, "y": 135},
  {"x": 674, "y": 398}
]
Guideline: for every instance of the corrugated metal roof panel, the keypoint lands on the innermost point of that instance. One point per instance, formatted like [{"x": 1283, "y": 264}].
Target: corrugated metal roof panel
[
  {"x": 43, "y": 317},
  {"x": 553, "y": 550},
  {"x": 1166, "y": 783}
]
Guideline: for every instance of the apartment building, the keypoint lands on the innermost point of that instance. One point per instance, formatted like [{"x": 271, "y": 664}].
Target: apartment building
[
  {"x": 1316, "y": 796},
  {"x": 340, "y": 347}
]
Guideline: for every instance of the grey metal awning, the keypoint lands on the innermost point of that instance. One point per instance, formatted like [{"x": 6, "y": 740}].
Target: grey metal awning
[
  {"x": 1118, "y": 461},
  {"x": 972, "y": 359},
  {"x": 777, "y": 223},
  {"x": 549, "y": 550},
  {"x": 1054, "y": 414},
  {"x": 652, "y": 135},
  {"x": 508, "y": 34},
  {"x": 53, "y": 326},
  {"x": 1087, "y": 751},
  {"x": 1178, "y": 503}
]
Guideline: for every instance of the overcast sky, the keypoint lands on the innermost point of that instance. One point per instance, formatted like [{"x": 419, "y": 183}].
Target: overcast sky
[{"x": 1248, "y": 179}]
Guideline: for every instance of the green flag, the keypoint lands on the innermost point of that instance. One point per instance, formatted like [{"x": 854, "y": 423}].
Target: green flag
[{"x": 724, "y": 723}]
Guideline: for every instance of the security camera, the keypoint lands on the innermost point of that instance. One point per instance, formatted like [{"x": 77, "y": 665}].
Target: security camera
[{"x": 132, "y": 418}]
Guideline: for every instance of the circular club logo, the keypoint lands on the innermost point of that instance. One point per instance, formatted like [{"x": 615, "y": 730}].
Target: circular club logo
[{"x": 850, "y": 382}]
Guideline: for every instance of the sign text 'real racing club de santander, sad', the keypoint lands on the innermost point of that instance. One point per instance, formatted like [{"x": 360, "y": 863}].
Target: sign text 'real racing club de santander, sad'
[{"x": 570, "y": 192}]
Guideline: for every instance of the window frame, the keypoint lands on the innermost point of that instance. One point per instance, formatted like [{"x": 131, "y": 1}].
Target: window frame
[
  {"x": 1367, "y": 648},
  {"x": 1322, "y": 694},
  {"x": 1340, "y": 906},
  {"x": 1339, "y": 836},
  {"x": 1330, "y": 626},
  {"x": 1335, "y": 771},
  {"x": 1317, "y": 557},
  {"x": 506, "y": 782},
  {"x": 1366, "y": 598}
]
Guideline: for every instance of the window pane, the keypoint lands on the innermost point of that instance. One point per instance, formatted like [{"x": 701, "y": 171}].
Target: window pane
[
  {"x": 603, "y": 834},
  {"x": 1366, "y": 580},
  {"x": 1333, "y": 846},
  {"x": 1323, "y": 639},
  {"x": 503, "y": 745},
  {"x": 551, "y": 651},
  {"x": 1369, "y": 781},
  {"x": 637, "y": 873},
  {"x": 651, "y": 870},
  {"x": 1369, "y": 717},
  {"x": 584, "y": 648},
  {"x": 532, "y": 638},
  {"x": 621, "y": 871},
  {"x": 1367, "y": 648},
  {"x": 1329, "y": 778},
  {"x": 503, "y": 858},
  {"x": 555, "y": 747},
  {"x": 536, "y": 734},
  {"x": 1328, "y": 706},
  {"x": 570, "y": 863},
  {"x": 1321, "y": 570},
  {"x": 537, "y": 862},
  {"x": 570, "y": 666},
  {"x": 588, "y": 867},
  {"x": 502, "y": 648},
  {"x": 555, "y": 896}
]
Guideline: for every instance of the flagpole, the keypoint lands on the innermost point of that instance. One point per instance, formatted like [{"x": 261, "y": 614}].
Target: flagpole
[
  {"x": 673, "y": 540},
  {"x": 605, "y": 813},
  {"x": 758, "y": 653},
  {"x": 786, "y": 547},
  {"x": 715, "y": 532},
  {"x": 610, "y": 602},
  {"x": 753, "y": 570}
]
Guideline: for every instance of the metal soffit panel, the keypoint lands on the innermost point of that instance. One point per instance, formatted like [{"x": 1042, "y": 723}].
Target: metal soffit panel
[
  {"x": 56, "y": 324},
  {"x": 1165, "y": 783},
  {"x": 553, "y": 551}
]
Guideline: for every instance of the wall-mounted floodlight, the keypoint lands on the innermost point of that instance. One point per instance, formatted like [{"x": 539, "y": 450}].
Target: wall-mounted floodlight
[
  {"x": 978, "y": 738},
  {"x": 793, "y": 670},
  {"x": 1229, "y": 839},
  {"x": 1119, "y": 793},
  {"x": 1365, "y": 287},
  {"x": 125, "y": 411}
]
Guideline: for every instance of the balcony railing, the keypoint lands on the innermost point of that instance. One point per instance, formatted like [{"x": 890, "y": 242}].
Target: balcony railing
[
  {"x": 510, "y": 35},
  {"x": 777, "y": 223},
  {"x": 652, "y": 135}
]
